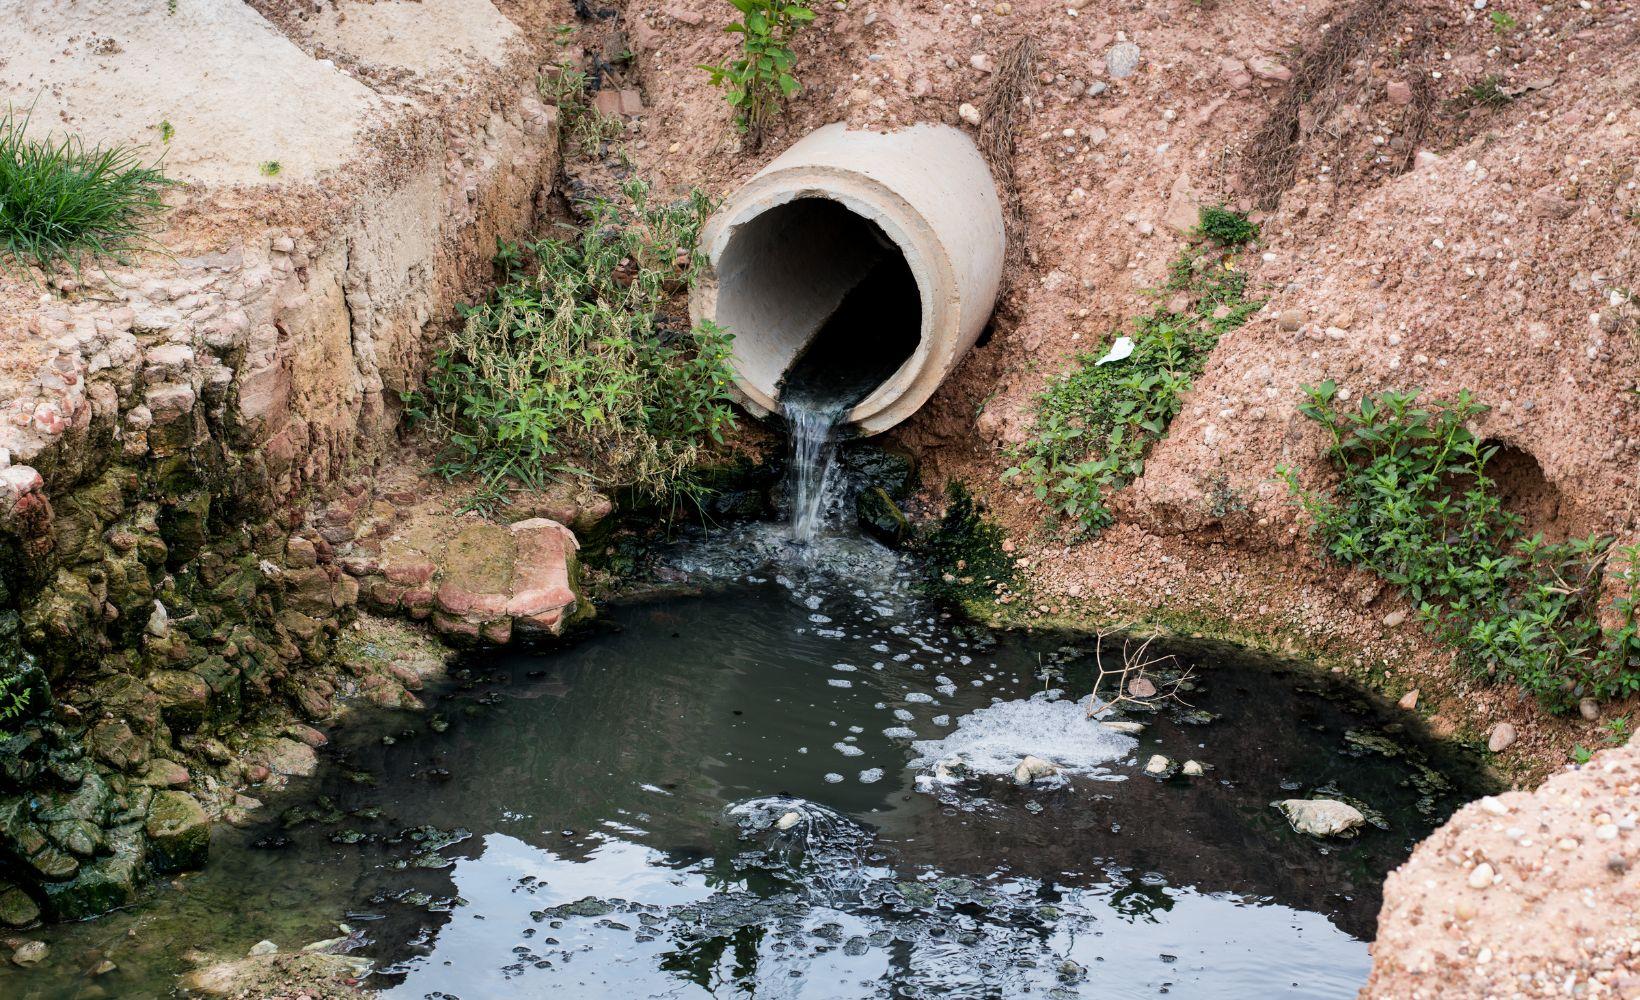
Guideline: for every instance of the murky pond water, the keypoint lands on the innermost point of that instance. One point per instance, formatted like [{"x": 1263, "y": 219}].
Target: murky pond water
[{"x": 734, "y": 793}]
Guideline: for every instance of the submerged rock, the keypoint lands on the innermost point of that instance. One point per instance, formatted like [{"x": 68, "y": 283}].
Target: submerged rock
[
  {"x": 1321, "y": 817},
  {"x": 29, "y": 953}
]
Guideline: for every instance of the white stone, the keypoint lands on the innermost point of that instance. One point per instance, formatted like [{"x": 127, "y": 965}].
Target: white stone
[{"x": 1321, "y": 817}]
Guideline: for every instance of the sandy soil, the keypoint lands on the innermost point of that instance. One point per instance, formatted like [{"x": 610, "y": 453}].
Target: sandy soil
[{"x": 1466, "y": 916}]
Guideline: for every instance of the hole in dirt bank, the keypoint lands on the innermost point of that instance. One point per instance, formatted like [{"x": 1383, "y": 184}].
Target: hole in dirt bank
[
  {"x": 1527, "y": 493},
  {"x": 822, "y": 303}
]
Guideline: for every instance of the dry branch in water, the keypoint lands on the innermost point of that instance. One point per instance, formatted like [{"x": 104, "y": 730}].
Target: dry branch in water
[{"x": 1133, "y": 667}]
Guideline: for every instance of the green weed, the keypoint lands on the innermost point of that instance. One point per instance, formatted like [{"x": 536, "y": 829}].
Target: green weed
[
  {"x": 1414, "y": 504},
  {"x": 14, "y": 700},
  {"x": 577, "y": 364},
  {"x": 62, "y": 202},
  {"x": 1487, "y": 92},
  {"x": 1226, "y": 227},
  {"x": 1503, "y": 22},
  {"x": 270, "y": 168},
  {"x": 166, "y": 132},
  {"x": 1096, "y": 424},
  {"x": 762, "y": 79}
]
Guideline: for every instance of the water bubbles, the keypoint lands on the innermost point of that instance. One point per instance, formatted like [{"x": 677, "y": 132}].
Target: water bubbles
[
  {"x": 848, "y": 749},
  {"x": 833, "y": 778},
  {"x": 919, "y": 697},
  {"x": 840, "y": 682},
  {"x": 847, "y": 668},
  {"x": 903, "y": 714},
  {"x": 900, "y": 733},
  {"x": 871, "y": 776}
]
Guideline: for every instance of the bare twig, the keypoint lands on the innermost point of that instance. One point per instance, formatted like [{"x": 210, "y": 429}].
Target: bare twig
[
  {"x": 1134, "y": 665},
  {"x": 1272, "y": 155}
]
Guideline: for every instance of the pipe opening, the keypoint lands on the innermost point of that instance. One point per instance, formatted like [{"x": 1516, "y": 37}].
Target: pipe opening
[{"x": 824, "y": 306}]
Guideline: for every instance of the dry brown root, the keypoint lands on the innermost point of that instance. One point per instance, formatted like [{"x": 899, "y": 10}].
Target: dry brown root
[
  {"x": 996, "y": 137},
  {"x": 1270, "y": 159}
]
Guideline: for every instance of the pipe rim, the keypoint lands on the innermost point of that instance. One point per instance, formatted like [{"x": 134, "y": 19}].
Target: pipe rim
[{"x": 893, "y": 400}]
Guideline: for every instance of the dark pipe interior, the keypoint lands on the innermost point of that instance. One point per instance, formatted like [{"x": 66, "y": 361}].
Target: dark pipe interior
[{"x": 873, "y": 331}]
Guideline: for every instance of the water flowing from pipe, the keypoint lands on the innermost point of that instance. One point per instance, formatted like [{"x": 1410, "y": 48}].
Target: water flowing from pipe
[{"x": 812, "y": 425}]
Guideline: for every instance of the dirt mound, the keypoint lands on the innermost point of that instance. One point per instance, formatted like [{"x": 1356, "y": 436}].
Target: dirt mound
[{"x": 1467, "y": 916}]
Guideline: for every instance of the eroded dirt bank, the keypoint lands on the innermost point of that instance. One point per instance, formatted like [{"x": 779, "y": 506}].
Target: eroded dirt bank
[
  {"x": 1423, "y": 243},
  {"x": 167, "y": 426}
]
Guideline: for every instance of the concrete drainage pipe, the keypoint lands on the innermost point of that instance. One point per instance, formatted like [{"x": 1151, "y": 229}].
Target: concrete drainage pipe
[{"x": 875, "y": 253}]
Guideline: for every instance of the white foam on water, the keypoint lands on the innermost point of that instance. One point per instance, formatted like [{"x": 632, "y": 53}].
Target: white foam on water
[
  {"x": 993, "y": 740},
  {"x": 872, "y": 776}
]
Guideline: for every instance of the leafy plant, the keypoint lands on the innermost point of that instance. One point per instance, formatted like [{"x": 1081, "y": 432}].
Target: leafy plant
[
  {"x": 576, "y": 362},
  {"x": 14, "y": 700},
  {"x": 270, "y": 168},
  {"x": 166, "y": 132},
  {"x": 1225, "y": 226},
  {"x": 62, "y": 201},
  {"x": 1096, "y": 424},
  {"x": 1415, "y": 505},
  {"x": 1503, "y": 22},
  {"x": 761, "y": 80}
]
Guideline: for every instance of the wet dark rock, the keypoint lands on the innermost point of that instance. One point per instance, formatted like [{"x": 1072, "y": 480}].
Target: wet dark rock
[
  {"x": 890, "y": 469},
  {"x": 880, "y": 517}
]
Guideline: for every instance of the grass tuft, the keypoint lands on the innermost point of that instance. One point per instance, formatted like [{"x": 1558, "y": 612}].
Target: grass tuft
[{"x": 62, "y": 202}]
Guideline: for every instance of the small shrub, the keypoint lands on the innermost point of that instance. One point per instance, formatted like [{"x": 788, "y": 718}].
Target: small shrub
[
  {"x": 1226, "y": 227},
  {"x": 64, "y": 202},
  {"x": 1096, "y": 424},
  {"x": 1414, "y": 504},
  {"x": 1503, "y": 22},
  {"x": 270, "y": 168},
  {"x": 576, "y": 364},
  {"x": 761, "y": 80}
]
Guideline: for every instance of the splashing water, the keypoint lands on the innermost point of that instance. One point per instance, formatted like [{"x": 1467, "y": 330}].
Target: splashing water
[{"x": 813, "y": 452}]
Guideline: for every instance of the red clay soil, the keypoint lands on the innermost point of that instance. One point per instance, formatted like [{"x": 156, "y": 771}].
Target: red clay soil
[{"x": 1427, "y": 241}]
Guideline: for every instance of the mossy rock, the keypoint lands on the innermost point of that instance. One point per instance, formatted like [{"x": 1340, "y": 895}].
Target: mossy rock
[
  {"x": 17, "y": 909},
  {"x": 184, "y": 698},
  {"x": 880, "y": 517},
  {"x": 105, "y": 885},
  {"x": 178, "y": 830}
]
